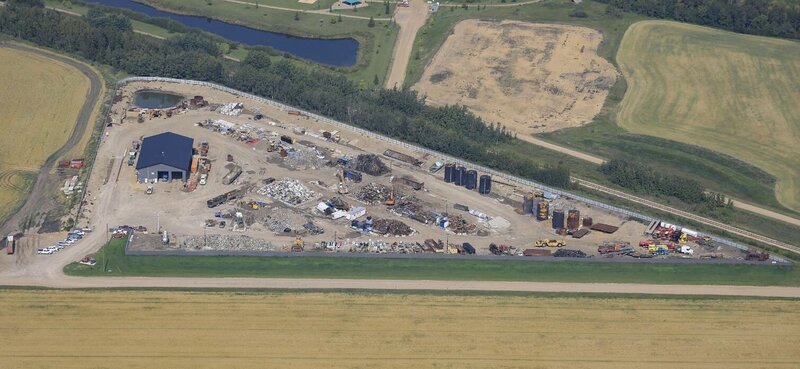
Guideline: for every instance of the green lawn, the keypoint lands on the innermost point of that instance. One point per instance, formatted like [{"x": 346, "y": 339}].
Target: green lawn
[{"x": 319, "y": 267}]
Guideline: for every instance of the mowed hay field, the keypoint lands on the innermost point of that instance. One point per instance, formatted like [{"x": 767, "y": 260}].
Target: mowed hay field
[
  {"x": 529, "y": 77},
  {"x": 39, "y": 103},
  {"x": 732, "y": 93},
  {"x": 164, "y": 329}
]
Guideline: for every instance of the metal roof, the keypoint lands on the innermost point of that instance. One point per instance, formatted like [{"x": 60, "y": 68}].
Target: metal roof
[{"x": 167, "y": 148}]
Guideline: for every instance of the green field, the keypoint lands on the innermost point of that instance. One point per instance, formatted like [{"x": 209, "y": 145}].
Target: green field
[
  {"x": 732, "y": 93},
  {"x": 378, "y": 268}
]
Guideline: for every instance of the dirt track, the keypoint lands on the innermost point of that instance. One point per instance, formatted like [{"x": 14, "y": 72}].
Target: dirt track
[
  {"x": 410, "y": 20},
  {"x": 34, "y": 201}
]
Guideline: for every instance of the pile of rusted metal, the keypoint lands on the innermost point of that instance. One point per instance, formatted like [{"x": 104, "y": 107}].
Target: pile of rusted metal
[
  {"x": 370, "y": 164},
  {"x": 459, "y": 225},
  {"x": 373, "y": 193},
  {"x": 391, "y": 227}
]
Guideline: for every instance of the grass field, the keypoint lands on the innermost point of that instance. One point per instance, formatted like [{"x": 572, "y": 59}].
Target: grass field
[
  {"x": 733, "y": 93},
  {"x": 37, "y": 115},
  {"x": 114, "y": 258},
  {"x": 175, "y": 329}
]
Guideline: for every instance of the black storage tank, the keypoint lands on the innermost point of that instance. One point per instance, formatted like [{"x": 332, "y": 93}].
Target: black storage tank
[
  {"x": 471, "y": 179},
  {"x": 458, "y": 176},
  {"x": 448, "y": 173},
  {"x": 558, "y": 219},
  {"x": 485, "y": 185}
]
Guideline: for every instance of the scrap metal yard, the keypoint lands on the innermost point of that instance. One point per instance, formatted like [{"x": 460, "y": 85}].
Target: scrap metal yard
[{"x": 264, "y": 179}]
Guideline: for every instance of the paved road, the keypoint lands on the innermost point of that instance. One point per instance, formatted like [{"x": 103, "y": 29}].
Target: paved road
[
  {"x": 410, "y": 20},
  {"x": 33, "y": 203}
]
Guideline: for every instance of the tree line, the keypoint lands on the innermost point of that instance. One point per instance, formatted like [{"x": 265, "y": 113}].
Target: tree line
[
  {"x": 106, "y": 37},
  {"x": 778, "y": 18},
  {"x": 647, "y": 180}
]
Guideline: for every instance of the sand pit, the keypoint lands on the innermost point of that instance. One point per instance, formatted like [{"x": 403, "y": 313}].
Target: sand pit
[{"x": 529, "y": 77}]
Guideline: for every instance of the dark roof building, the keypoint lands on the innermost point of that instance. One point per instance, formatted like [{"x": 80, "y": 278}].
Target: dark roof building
[{"x": 166, "y": 156}]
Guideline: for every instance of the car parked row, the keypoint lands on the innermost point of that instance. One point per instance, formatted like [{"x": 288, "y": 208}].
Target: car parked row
[{"x": 72, "y": 237}]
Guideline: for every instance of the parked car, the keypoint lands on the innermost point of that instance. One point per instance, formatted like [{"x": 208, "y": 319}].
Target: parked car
[{"x": 44, "y": 251}]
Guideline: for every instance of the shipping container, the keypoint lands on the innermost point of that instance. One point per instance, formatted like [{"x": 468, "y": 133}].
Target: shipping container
[{"x": 587, "y": 221}]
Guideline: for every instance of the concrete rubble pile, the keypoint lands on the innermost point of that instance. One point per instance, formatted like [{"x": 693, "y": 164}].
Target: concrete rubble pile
[
  {"x": 459, "y": 225},
  {"x": 288, "y": 191},
  {"x": 226, "y": 243},
  {"x": 567, "y": 253},
  {"x": 370, "y": 164},
  {"x": 391, "y": 227}
]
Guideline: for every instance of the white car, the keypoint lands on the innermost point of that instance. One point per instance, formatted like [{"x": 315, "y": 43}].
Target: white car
[
  {"x": 203, "y": 179},
  {"x": 45, "y": 251},
  {"x": 52, "y": 248}
]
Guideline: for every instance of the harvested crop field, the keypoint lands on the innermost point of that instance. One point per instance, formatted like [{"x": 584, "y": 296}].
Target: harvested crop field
[
  {"x": 732, "y": 93},
  {"x": 529, "y": 77},
  {"x": 146, "y": 329},
  {"x": 39, "y": 104}
]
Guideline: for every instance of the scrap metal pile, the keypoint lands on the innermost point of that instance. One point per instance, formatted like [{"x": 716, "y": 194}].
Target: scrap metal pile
[
  {"x": 415, "y": 211},
  {"x": 567, "y": 253},
  {"x": 384, "y": 247},
  {"x": 391, "y": 227},
  {"x": 225, "y": 242},
  {"x": 285, "y": 221},
  {"x": 459, "y": 225},
  {"x": 304, "y": 159},
  {"x": 376, "y": 194},
  {"x": 370, "y": 164},
  {"x": 288, "y": 191}
]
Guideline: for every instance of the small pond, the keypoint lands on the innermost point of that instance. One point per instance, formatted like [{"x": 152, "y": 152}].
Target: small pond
[{"x": 156, "y": 99}]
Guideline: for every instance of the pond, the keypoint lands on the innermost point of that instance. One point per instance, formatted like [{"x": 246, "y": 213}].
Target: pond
[
  {"x": 341, "y": 52},
  {"x": 156, "y": 99}
]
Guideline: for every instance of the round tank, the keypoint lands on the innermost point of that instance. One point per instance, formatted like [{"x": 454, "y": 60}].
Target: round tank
[
  {"x": 542, "y": 210},
  {"x": 485, "y": 185},
  {"x": 471, "y": 180},
  {"x": 458, "y": 176},
  {"x": 448, "y": 173},
  {"x": 573, "y": 220},
  {"x": 558, "y": 219},
  {"x": 528, "y": 204}
]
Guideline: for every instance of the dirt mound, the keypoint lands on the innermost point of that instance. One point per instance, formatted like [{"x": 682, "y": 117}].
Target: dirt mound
[{"x": 529, "y": 77}]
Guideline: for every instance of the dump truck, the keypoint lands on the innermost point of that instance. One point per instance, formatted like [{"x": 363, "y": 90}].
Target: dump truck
[{"x": 550, "y": 243}]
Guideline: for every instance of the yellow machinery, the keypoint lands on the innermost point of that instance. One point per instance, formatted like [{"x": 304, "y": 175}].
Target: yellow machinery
[
  {"x": 550, "y": 243},
  {"x": 298, "y": 244},
  {"x": 342, "y": 186}
]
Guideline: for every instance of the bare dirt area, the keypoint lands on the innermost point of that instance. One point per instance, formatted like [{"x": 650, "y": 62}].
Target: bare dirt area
[{"x": 529, "y": 77}]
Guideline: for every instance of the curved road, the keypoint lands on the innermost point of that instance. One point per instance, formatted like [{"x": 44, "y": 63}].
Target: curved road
[{"x": 33, "y": 200}]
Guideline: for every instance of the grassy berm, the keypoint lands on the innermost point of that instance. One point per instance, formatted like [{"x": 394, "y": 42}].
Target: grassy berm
[{"x": 519, "y": 270}]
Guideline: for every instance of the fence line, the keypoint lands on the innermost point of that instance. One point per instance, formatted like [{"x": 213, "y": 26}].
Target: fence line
[{"x": 508, "y": 177}]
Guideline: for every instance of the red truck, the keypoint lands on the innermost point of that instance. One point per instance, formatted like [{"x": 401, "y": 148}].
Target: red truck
[{"x": 10, "y": 245}]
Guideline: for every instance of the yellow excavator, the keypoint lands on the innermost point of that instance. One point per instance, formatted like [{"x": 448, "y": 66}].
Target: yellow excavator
[
  {"x": 550, "y": 243},
  {"x": 298, "y": 244}
]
